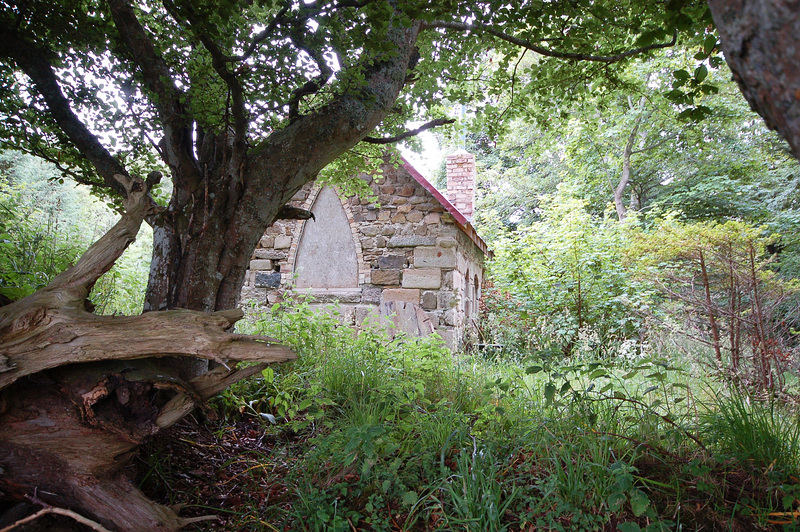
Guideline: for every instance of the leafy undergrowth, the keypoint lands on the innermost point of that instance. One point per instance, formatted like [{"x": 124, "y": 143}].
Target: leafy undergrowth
[{"x": 365, "y": 432}]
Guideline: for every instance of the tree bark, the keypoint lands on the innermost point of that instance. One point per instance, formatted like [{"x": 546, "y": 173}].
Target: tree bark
[
  {"x": 760, "y": 41},
  {"x": 619, "y": 190}
]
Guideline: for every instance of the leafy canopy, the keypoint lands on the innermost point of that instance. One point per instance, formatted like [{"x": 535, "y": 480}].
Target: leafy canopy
[{"x": 264, "y": 63}]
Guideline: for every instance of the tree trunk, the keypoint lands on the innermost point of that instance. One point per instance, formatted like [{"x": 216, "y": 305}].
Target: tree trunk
[{"x": 760, "y": 41}]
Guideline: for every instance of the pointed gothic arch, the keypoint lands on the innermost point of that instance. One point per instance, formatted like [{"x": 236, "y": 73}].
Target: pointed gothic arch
[{"x": 326, "y": 255}]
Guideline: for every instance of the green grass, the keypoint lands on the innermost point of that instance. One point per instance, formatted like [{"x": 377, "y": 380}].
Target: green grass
[{"x": 398, "y": 434}]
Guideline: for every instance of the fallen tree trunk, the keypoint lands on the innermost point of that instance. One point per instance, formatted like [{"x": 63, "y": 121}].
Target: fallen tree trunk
[{"x": 80, "y": 392}]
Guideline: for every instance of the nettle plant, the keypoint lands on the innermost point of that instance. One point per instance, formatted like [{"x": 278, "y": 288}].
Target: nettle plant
[{"x": 565, "y": 278}]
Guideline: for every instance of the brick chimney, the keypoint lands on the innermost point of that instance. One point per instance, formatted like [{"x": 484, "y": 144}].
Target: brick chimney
[{"x": 461, "y": 182}]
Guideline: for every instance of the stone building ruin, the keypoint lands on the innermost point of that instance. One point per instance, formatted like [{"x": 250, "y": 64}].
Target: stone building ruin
[{"x": 409, "y": 255}]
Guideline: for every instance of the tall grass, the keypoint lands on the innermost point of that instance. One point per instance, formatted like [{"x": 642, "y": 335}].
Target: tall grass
[{"x": 397, "y": 433}]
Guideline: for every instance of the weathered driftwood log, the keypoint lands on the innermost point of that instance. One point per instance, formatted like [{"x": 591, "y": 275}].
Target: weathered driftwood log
[{"x": 80, "y": 392}]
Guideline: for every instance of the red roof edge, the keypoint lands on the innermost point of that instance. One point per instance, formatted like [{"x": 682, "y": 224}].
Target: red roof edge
[{"x": 460, "y": 219}]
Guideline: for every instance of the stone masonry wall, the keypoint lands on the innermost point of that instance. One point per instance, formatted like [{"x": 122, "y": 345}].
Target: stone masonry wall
[{"x": 409, "y": 251}]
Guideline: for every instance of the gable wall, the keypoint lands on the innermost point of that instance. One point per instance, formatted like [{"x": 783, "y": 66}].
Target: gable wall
[{"x": 410, "y": 254}]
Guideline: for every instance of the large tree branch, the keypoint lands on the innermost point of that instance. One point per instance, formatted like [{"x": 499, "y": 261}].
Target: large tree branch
[
  {"x": 158, "y": 78},
  {"x": 219, "y": 61},
  {"x": 311, "y": 86},
  {"x": 65, "y": 336},
  {"x": 411, "y": 133},
  {"x": 524, "y": 43},
  {"x": 35, "y": 62}
]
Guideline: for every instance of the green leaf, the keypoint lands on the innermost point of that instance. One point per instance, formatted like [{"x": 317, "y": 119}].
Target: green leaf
[
  {"x": 549, "y": 392},
  {"x": 700, "y": 73},
  {"x": 629, "y": 526},
  {"x": 615, "y": 501},
  {"x": 709, "y": 43},
  {"x": 681, "y": 75},
  {"x": 600, "y": 372},
  {"x": 532, "y": 370},
  {"x": 410, "y": 498},
  {"x": 639, "y": 501}
]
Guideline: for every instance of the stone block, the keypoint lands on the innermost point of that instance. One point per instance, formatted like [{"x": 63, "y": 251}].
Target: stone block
[
  {"x": 385, "y": 277},
  {"x": 432, "y": 218},
  {"x": 271, "y": 254},
  {"x": 367, "y": 243},
  {"x": 267, "y": 241},
  {"x": 252, "y": 294},
  {"x": 411, "y": 241},
  {"x": 343, "y": 295},
  {"x": 449, "y": 230},
  {"x": 371, "y": 230},
  {"x": 371, "y": 294},
  {"x": 447, "y": 242},
  {"x": 422, "y": 278},
  {"x": 434, "y": 257},
  {"x": 399, "y": 218},
  {"x": 416, "y": 200},
  {"x": 389, "y": 262},
  {"x": 384, "y": 215},
  {"x": 370, "y": 315},
  {"x": 419, "y": 230},
  {"x": 429, "y": 300},
  {"x": 450, "y": 317},
  {"x": 448, "y": 280},
  {"x": 401, "y": 294},
  {"x": 404, "y": 208},
  {"x": 283, "y": 242},
  {"x": 380, "y": 242},
  {"x": 406, "y": 191},
  {"x": 446, "y": 299},
  {"x": 260, "y": 265},
  {"x": 268, "y": 280},
  {"x": 414, "y": 217}
]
